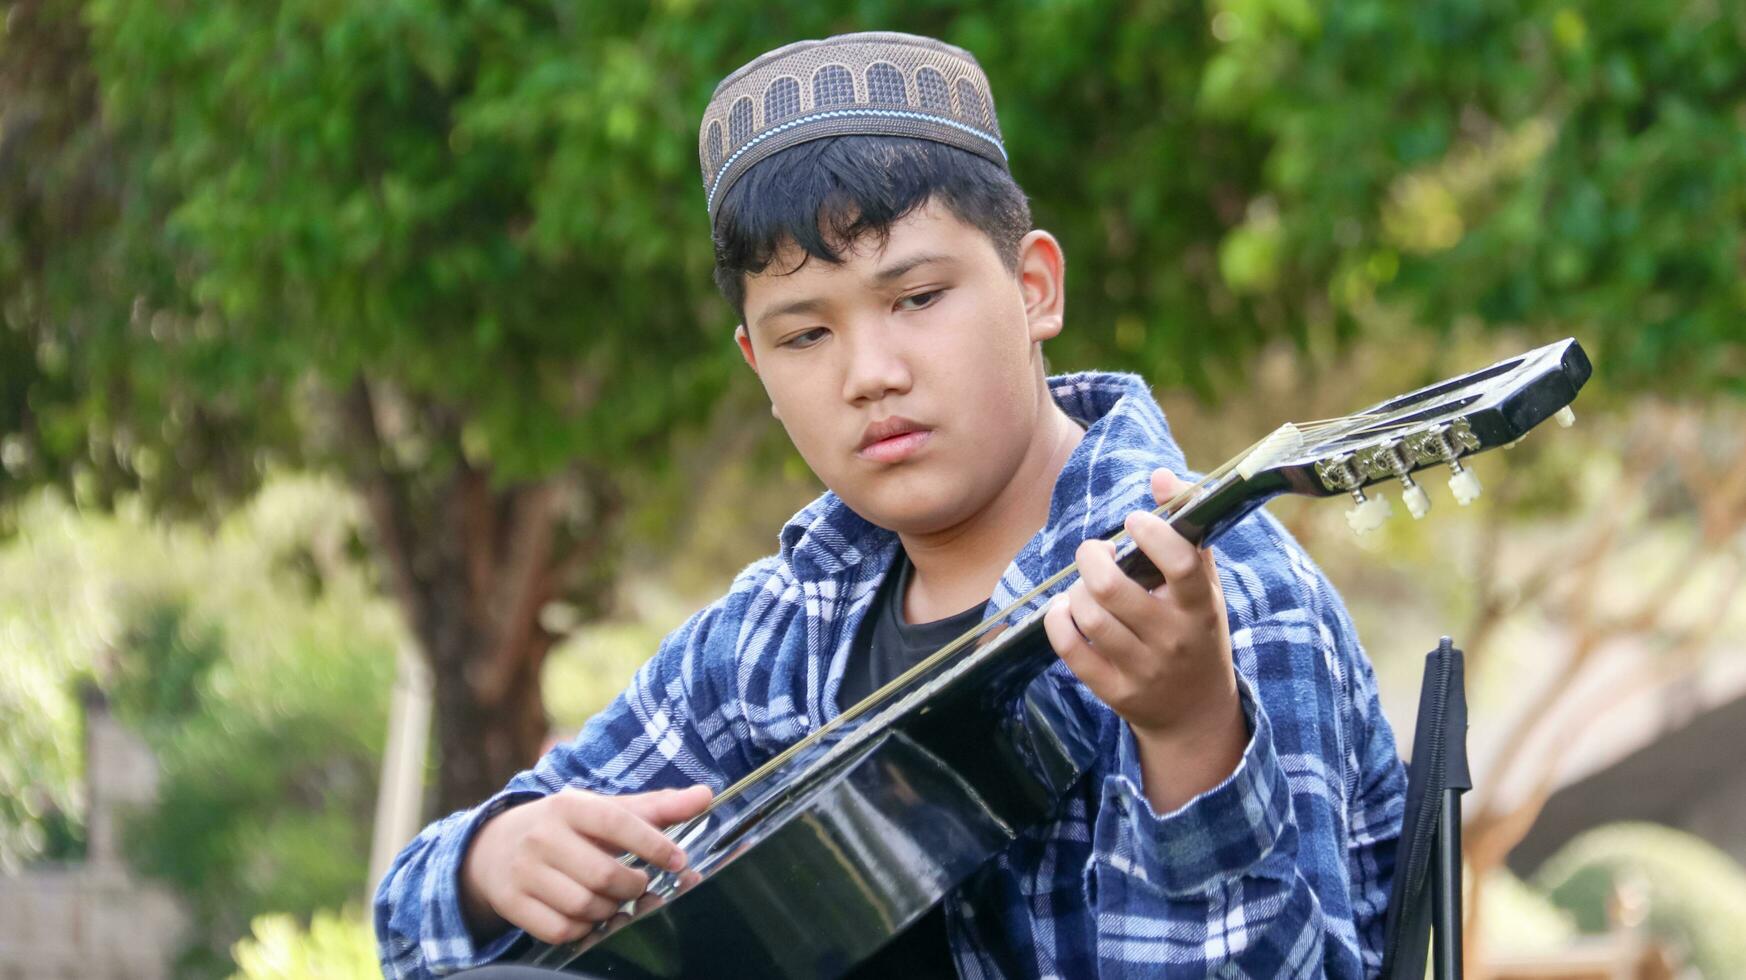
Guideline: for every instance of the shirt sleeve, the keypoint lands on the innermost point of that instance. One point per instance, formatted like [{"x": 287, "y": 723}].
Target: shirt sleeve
[
  {"x": 676, "y": 725},
  {"x": 1211, "y": 885},
  {"x": 1373, "y": 832},
  {"x": 1282, "y": 869}
]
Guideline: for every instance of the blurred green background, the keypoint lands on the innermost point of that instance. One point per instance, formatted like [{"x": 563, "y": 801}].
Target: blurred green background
[{"x": 330, "y": 330}]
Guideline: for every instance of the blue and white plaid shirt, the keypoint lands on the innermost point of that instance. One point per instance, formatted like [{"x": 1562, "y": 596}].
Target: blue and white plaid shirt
[{"x": 1281, "y": 870}]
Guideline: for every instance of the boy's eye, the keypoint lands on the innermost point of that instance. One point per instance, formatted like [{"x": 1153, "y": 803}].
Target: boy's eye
[
  {"x": 919, "y": 301},
  {"x": 800, "y": 341}
]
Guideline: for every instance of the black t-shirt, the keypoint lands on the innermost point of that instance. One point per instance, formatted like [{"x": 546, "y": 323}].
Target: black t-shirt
[{"x": 885, "y": 647}]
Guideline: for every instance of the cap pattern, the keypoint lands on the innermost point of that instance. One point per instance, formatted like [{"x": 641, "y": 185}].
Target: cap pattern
[{"x": 879, "y": 83}]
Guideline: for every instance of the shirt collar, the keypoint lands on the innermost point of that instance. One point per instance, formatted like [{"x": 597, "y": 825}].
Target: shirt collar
[{"x": 1108, "y": 475}]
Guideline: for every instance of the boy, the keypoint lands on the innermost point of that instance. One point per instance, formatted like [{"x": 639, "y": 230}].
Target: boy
[{"x": 1241, "y": 811}]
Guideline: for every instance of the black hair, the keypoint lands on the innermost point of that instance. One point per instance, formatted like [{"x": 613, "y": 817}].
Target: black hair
[{"x": 826, "y": 195}]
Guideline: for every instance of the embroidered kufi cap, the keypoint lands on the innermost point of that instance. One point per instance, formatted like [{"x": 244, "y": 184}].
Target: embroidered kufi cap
[{"x": 878, "y": 83}]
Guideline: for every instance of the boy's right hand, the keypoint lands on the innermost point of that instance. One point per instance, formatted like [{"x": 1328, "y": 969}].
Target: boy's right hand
[{"x": 551, "y": 866}]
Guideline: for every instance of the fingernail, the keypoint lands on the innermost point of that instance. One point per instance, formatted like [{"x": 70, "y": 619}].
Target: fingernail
[{"x": 677, "y": 861}]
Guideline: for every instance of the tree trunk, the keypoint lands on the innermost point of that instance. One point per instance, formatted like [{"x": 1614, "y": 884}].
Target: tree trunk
[
  {"x": 471, "y": 567},
  {"x": 481, "y": 741}
]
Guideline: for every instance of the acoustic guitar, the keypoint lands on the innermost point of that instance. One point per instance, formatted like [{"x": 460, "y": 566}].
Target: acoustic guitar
[{"x": 826, "y": 852}]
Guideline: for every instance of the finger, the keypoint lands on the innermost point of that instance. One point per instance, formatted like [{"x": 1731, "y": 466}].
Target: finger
[
  {"x": 1085, "y": 663},
  {"x": 1210, "y": 565},
  {"x": 1109, "y": 636},
  {"x": 1110, "y": 587},
  {"x": 649, "y": 901},
  {"x": 569, "y": 898},
  {"x": 1178, "y": 561},
  {"x": 581, "y": 860},
  {"x": 543, "y": 922},
  {"x": 606, "y": 820},
  {"x": 601, "y": 873},
  {"x": 1166, "y": 485},
  {"x": 665, "y": 807}
]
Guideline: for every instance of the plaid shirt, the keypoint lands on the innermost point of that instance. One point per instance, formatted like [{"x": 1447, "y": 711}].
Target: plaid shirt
[{"x": 1281, "y": 870}]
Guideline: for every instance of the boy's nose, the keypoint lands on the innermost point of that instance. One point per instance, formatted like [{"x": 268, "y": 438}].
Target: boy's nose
[{"x": 876, "y": 368}]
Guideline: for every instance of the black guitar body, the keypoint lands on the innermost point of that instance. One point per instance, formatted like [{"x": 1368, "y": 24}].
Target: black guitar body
[{"x": 864, "y": 846}]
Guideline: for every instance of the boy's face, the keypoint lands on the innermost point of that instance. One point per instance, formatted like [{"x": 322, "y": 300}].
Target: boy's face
[{"x": 910, "y": 376}]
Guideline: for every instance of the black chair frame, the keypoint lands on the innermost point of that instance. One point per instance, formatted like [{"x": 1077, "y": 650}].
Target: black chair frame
[{"x": 1425, "y": 902}]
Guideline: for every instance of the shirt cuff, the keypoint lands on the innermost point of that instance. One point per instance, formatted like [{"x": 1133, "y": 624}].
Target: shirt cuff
[
  {"x": 448, "y": 943},
  {"x": 1217, "y": 836}
]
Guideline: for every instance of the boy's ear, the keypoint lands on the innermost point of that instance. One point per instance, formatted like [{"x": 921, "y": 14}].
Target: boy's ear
[
  {"x": 744, "y": 339},
  {"x": 1042, "y": 270}
]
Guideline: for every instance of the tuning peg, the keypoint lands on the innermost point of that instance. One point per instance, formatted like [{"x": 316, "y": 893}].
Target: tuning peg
[
  {"x": 1369, "y": 513},
  {"x": 1418, "y": 503},
  {"x": 1463, "y": 483},
  {"x": 1566, "y": 418}
]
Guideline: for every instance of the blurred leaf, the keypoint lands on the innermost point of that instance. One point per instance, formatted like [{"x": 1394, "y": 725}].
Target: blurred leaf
[
  {"x": 1694, "y": 895},
  {"x": 335, "y": 946}
]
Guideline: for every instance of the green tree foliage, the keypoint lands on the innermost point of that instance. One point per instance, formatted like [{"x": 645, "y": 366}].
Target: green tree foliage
[
  {"x": 460, "y": 200},
  {"x": 100, "y": 387},
  {"x": 1575, "y": 167},
  {"x": 1695, "y": 894},
  {"x": 459, "y": 252}
]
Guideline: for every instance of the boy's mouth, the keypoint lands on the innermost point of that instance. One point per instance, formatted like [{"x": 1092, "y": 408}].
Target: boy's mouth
[{"x": 892, "y": 440}]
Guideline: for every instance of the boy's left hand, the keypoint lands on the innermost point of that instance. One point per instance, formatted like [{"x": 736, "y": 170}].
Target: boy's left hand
[{"x": 1161, "y": 658}]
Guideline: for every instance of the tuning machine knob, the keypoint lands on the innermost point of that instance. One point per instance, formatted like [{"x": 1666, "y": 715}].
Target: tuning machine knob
[
  {"x": 1463, "y": 483},
  {"x": 1565, "y": 417},
  {"x": 1418, "y": 503},
  {"x": 1369, "y": 513}
]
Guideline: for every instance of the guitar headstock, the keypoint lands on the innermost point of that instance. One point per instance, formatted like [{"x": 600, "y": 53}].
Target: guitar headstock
[{"x": 1436, "y": 426}]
